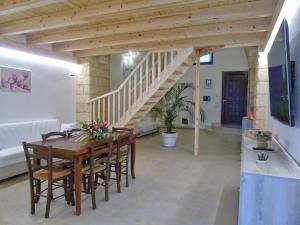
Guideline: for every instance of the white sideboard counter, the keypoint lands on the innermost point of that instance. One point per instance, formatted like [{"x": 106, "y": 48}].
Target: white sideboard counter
[{"x": 269, "y": 193}]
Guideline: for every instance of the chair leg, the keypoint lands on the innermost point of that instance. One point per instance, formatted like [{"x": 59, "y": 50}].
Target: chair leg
[
  {"x": 118, "y": 175},
  {"x": 96, "y": 179},
  {"x": 37, "y": 190},
  {"x": 107, "y": 182},
  {"x": 88, "y": 190},
  {"x": 84, "y": 183},
  {"x": 71, "y": 190},
  {"x": 127, "y": 183},
  {"x": 66, "y": 192},
  {"x": 92, "y": 188},
  {"x": 49, "y": 198},
  {"x": 32, "y": 197}
]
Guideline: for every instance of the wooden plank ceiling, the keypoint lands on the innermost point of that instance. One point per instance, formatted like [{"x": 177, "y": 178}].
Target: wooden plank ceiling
[{"x": 101, "y": 27}]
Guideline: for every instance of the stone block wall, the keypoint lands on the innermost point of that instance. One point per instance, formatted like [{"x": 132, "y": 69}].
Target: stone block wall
[
  {"x": 93, "y": 81},
  {"x": 261, "y": 93}
]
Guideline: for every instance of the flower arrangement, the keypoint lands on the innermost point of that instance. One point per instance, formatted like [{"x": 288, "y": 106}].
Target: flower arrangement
[{"x": 95, "y": 130}]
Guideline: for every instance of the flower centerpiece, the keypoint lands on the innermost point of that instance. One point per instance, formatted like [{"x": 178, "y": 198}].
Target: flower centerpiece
[{"x": 94, "y": 131}]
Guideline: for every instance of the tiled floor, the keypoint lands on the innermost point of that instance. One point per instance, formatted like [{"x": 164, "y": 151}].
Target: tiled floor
[{"x": 172, "y": 187}]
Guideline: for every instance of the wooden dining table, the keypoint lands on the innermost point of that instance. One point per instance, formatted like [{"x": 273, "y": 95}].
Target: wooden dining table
[{"x": 70, "y": 148}]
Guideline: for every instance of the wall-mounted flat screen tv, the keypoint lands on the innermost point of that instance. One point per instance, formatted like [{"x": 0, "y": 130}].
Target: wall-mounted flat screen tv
[{"x": 280, "y": 77}]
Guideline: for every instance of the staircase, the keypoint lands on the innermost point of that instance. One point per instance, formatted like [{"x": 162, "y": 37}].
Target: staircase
[{"x": 156, "y": 73}]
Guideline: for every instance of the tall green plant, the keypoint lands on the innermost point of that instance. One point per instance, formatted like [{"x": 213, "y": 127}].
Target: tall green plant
[{"x": 169, "y": 107}]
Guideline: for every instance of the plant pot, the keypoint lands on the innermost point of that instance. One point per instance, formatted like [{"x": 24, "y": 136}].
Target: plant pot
[
  {"x": 169, "y": 139},
  {"x": 261, "y": 161},
  {"x": 262, "y": 142}
]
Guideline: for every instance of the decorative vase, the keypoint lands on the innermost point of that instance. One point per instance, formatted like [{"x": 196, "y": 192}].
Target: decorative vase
[
  {"x": 262, "y": 141},
  {"x": 169, "y": 139}
]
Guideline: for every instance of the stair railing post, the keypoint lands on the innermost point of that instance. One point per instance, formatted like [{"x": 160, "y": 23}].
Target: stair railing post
[
  {"x": 141, "y": 83},
  {"x": 129, "y": 94},
  {"x": 159, "y": 65},
  {"x": 108, "y": 109},
  {"x": 147, "y": 75},
  {"x": 135, "y": 87},
  {"x": 91, "y": 111},
  {"x": 103, "y": 109},
  {"x": 124, "y": 101},
  {"x": 114, "y": 111},
  {"x": 98, "y": 103},
  {"x": 119, "y": 106},
  {"x": 153, "y": 68},
  {"x": 165, "y": 60}
]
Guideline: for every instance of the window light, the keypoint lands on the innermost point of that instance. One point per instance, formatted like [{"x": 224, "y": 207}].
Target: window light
[
  {"x": 289, "y": 9},
  {"x": 24, "y": 56}
]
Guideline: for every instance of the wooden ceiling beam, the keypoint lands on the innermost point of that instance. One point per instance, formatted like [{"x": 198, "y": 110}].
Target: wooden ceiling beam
[
  {"x": 14, "y": 6},
  {"x": 253, "y": 39},
  {"x": 77, "y": 16},
  {"x": 233, "y": 27},
  {"x": 239, "y": 11}
]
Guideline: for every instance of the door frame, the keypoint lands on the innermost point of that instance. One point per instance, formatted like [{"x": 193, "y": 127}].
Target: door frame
[{"x": 223, "y": 92}]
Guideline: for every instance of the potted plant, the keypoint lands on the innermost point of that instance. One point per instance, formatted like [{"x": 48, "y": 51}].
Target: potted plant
[
  {"x": 262, "y": 138},
  {"x": 262, "y": 158},
  {"x": 169, "y": 107}
]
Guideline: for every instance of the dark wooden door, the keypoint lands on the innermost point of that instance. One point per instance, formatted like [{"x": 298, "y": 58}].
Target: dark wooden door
[{"x": 234, "y": 97}]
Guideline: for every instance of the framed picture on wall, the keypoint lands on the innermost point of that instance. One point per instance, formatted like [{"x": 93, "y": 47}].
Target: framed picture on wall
[
  {"x": 208, "y": 84},
  {"x": 15, "y": 80}
]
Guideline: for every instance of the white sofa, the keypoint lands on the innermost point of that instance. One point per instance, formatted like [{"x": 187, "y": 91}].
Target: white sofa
[{"x": 12, "y": 158}]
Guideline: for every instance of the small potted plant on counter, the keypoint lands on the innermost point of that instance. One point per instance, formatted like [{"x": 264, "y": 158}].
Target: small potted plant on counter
[
  {"x": 262, "y": 158},
  {"x": 262, "y": 138}
]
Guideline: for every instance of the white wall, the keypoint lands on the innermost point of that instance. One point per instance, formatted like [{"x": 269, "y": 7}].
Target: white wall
[
  {"x": 52, "y": 94},
  {"x": 289, "y": 136},
  {"x": 231, "y": 59},
  {"x": 116, "y": 69}
]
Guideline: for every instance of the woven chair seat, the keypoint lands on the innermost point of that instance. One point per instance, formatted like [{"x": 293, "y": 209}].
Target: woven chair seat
[
  {"x": 97, "y": 168},
  {"x": 56, "y": 172},
  {"x": 114, "y": 159}
]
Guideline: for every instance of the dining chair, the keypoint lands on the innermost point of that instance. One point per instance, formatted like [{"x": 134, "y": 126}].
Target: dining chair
[
  {"x": 120, "y": 159},
  {"x": 68, "y": 164},
  {"x": 53, "y": 135},
  {"x": 73, "y": 131},
  {"x": 40, "y": 169},
  {"x": 98, "y": 165}
]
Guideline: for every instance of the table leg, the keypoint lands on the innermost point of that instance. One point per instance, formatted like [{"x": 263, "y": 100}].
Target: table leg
[
  {"x": 78, "y": 178},
  {"x": 132, "y": 157}
]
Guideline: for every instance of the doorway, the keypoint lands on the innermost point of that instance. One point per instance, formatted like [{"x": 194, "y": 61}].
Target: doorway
[{"x": 234, "y": 97}]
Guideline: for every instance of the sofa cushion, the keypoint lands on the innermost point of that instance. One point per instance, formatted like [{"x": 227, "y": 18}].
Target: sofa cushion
[
  {"x": 11, "y": 156},
  {"x": 13, "y": 134}
]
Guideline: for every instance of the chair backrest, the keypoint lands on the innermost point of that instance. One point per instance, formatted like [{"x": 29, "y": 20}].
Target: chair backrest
[
  {"x": 38, "y": 157},
  {"x": 100, "y": 151},
  {"x": 70, "y": 132},
  {"x": 53, "y": 134},
  {"x": 124, "y": 139}
]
